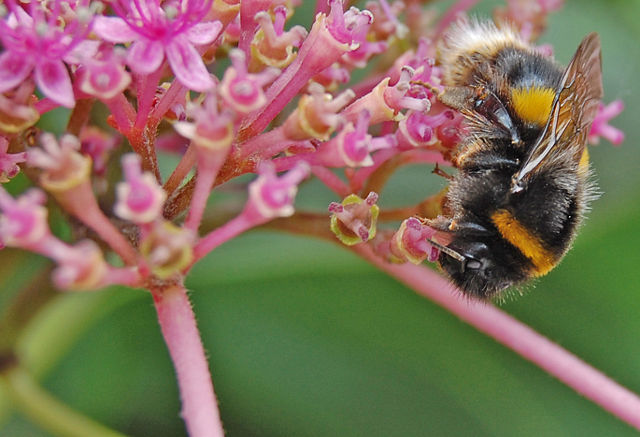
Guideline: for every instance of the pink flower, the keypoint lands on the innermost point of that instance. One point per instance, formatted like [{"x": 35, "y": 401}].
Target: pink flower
[
  {"x": 271, "y": 45},
  {"x": 316, "y": 115},
  {"x": 34, "y": 42},
  {"x": 211, "y": 129},
  {"x": 17, "y": 109},
  {"x": 530, "y": 16},
  {"x": 353, "y": 145},
  {"x": 271, "y": 195},
  {"x": 385, "y": 102},
  {"x": 140, "y": 198},
  {"x": 386, "y": 23},
  {"x": 601, "y": 126},
  {"x": 330, "y": 37},
  {"x": 410, "y": 243},
  {"x": 170, "y": 30},
  {"x": 167, "y": 249},
  {"x": 63, "y": 166},
  {"x": 98, "y": 145},
  {"x": 418, "y": 129},
  {"x": 242, "y": 90},
  {"x": 80, "y": 267},
  {"x": 361, "y": 23},
  {"x": 105, "y": 77},
  {"x": 354, "y": 220},
  {"x": 9, "y": 161},
  {"x": 24, "y": 220}
]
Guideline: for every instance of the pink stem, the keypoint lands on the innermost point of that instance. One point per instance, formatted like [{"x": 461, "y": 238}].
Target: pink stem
[
  {"x": 81, "y": 202},
  {"x": 538, "y": 349},
  {"x": 146, "y": 89},
  {"x": 175, "y": 94},
  {"x": 208, "y": 166},
  {"x": 331, "y": 180},
  {"x": 178, "y": 324},
  {"x": 122, "y": 111},
  {"x": 96, "y": 220},
  {"x": 181, "y": 171},
  {"x": 226, "y": 232},
  {"x": 266, "y": 144},
  {"x": 204, "y": 182}
]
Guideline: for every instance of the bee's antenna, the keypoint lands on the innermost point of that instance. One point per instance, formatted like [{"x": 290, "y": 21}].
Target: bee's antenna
[{"x": 452, "y": 253}]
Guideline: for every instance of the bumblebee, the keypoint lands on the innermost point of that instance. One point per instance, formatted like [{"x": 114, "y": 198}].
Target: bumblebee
[{"x": 523, "y": 180}]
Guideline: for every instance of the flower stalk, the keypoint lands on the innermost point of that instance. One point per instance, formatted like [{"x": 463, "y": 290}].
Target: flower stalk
[
  {"x": 179, "y": 329},
  {"x": 557, "y": 361}
]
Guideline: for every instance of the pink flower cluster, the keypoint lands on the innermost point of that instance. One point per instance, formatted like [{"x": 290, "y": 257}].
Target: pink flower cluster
[{"x": 140, "y": 76}]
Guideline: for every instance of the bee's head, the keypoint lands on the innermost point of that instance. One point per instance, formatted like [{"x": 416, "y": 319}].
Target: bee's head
[{"x": 478, "y": 269}]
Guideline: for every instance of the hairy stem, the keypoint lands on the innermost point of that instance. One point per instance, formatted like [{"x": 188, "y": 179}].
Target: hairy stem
[
  {"x": 517, "y": 336},
  {"x": 178, "y": 325}
]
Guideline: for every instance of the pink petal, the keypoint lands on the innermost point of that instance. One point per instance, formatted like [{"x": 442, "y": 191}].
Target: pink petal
[
  {"x": 204, "y": 33},
  {"x": 14, "y": 68},
  {"x": 145, "y": 56},
  {"x": 23, "y": 19},
  {"x": 188, "y": 66},
  {"x": 53, "y": 80},
  {"x": 81, "y": 52},
  {"x": 113, "y": 29}
]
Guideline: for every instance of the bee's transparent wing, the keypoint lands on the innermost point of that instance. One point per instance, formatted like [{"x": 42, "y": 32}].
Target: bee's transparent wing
[{"x": 572, "y": 112}]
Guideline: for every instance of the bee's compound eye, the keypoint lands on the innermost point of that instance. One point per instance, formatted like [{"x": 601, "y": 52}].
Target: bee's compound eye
[{"x": 473, "y": 264}]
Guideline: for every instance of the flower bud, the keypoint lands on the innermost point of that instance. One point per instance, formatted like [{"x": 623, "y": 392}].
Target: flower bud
[
  {"x": 271, "y": 196},
  {"x": 410, "y": 242},
  {"x": 354, "y": 220},
  {"x": 140, "y": 198},
  {"x": 167, "y": 249}
]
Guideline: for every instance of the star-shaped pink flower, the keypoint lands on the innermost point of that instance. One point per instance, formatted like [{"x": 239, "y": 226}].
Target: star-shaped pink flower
[
  {"x": 171, "y": 30},
  {"x": 35, "y": 42}
]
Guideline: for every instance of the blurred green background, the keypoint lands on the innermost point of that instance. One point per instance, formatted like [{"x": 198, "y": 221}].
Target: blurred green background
[{"x": 305, "y": 339}]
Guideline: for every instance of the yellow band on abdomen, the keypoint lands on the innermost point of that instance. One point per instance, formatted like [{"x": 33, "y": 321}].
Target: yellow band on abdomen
[{"x": 528, "y": 244}]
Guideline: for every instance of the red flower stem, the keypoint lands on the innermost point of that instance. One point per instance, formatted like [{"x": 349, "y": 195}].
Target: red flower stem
[
  {"x": 122, "y": 112},
  {"x": 183, "y": 168},
  {"x": 79, "y": 115},
  {"x": 178, "y": 325},
  {"x": 81, "y": 202},
  {"x": 97, "y": 221},
  {"x": 146, "y": 89},
  {"x": 266, "y": 145},
  {"x": 175, "y": 93},
  {"x": 517, "y": 336},
  {"x": 209, "y": 164},
  {"x": 143, "y": 143},
  {"x": 331, "y": 180},
  {"x": 226, "y": 232}
]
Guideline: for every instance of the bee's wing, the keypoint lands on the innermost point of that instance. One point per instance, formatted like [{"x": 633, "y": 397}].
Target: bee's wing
[{"x": 572, "y": 112}]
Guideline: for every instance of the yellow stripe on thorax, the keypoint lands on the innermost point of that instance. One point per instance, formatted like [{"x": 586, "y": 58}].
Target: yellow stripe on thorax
[
  {"x": 533, "y": 105},
  {"x": 530, "y": 245},
  {"x": 584, "y": 159}
]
